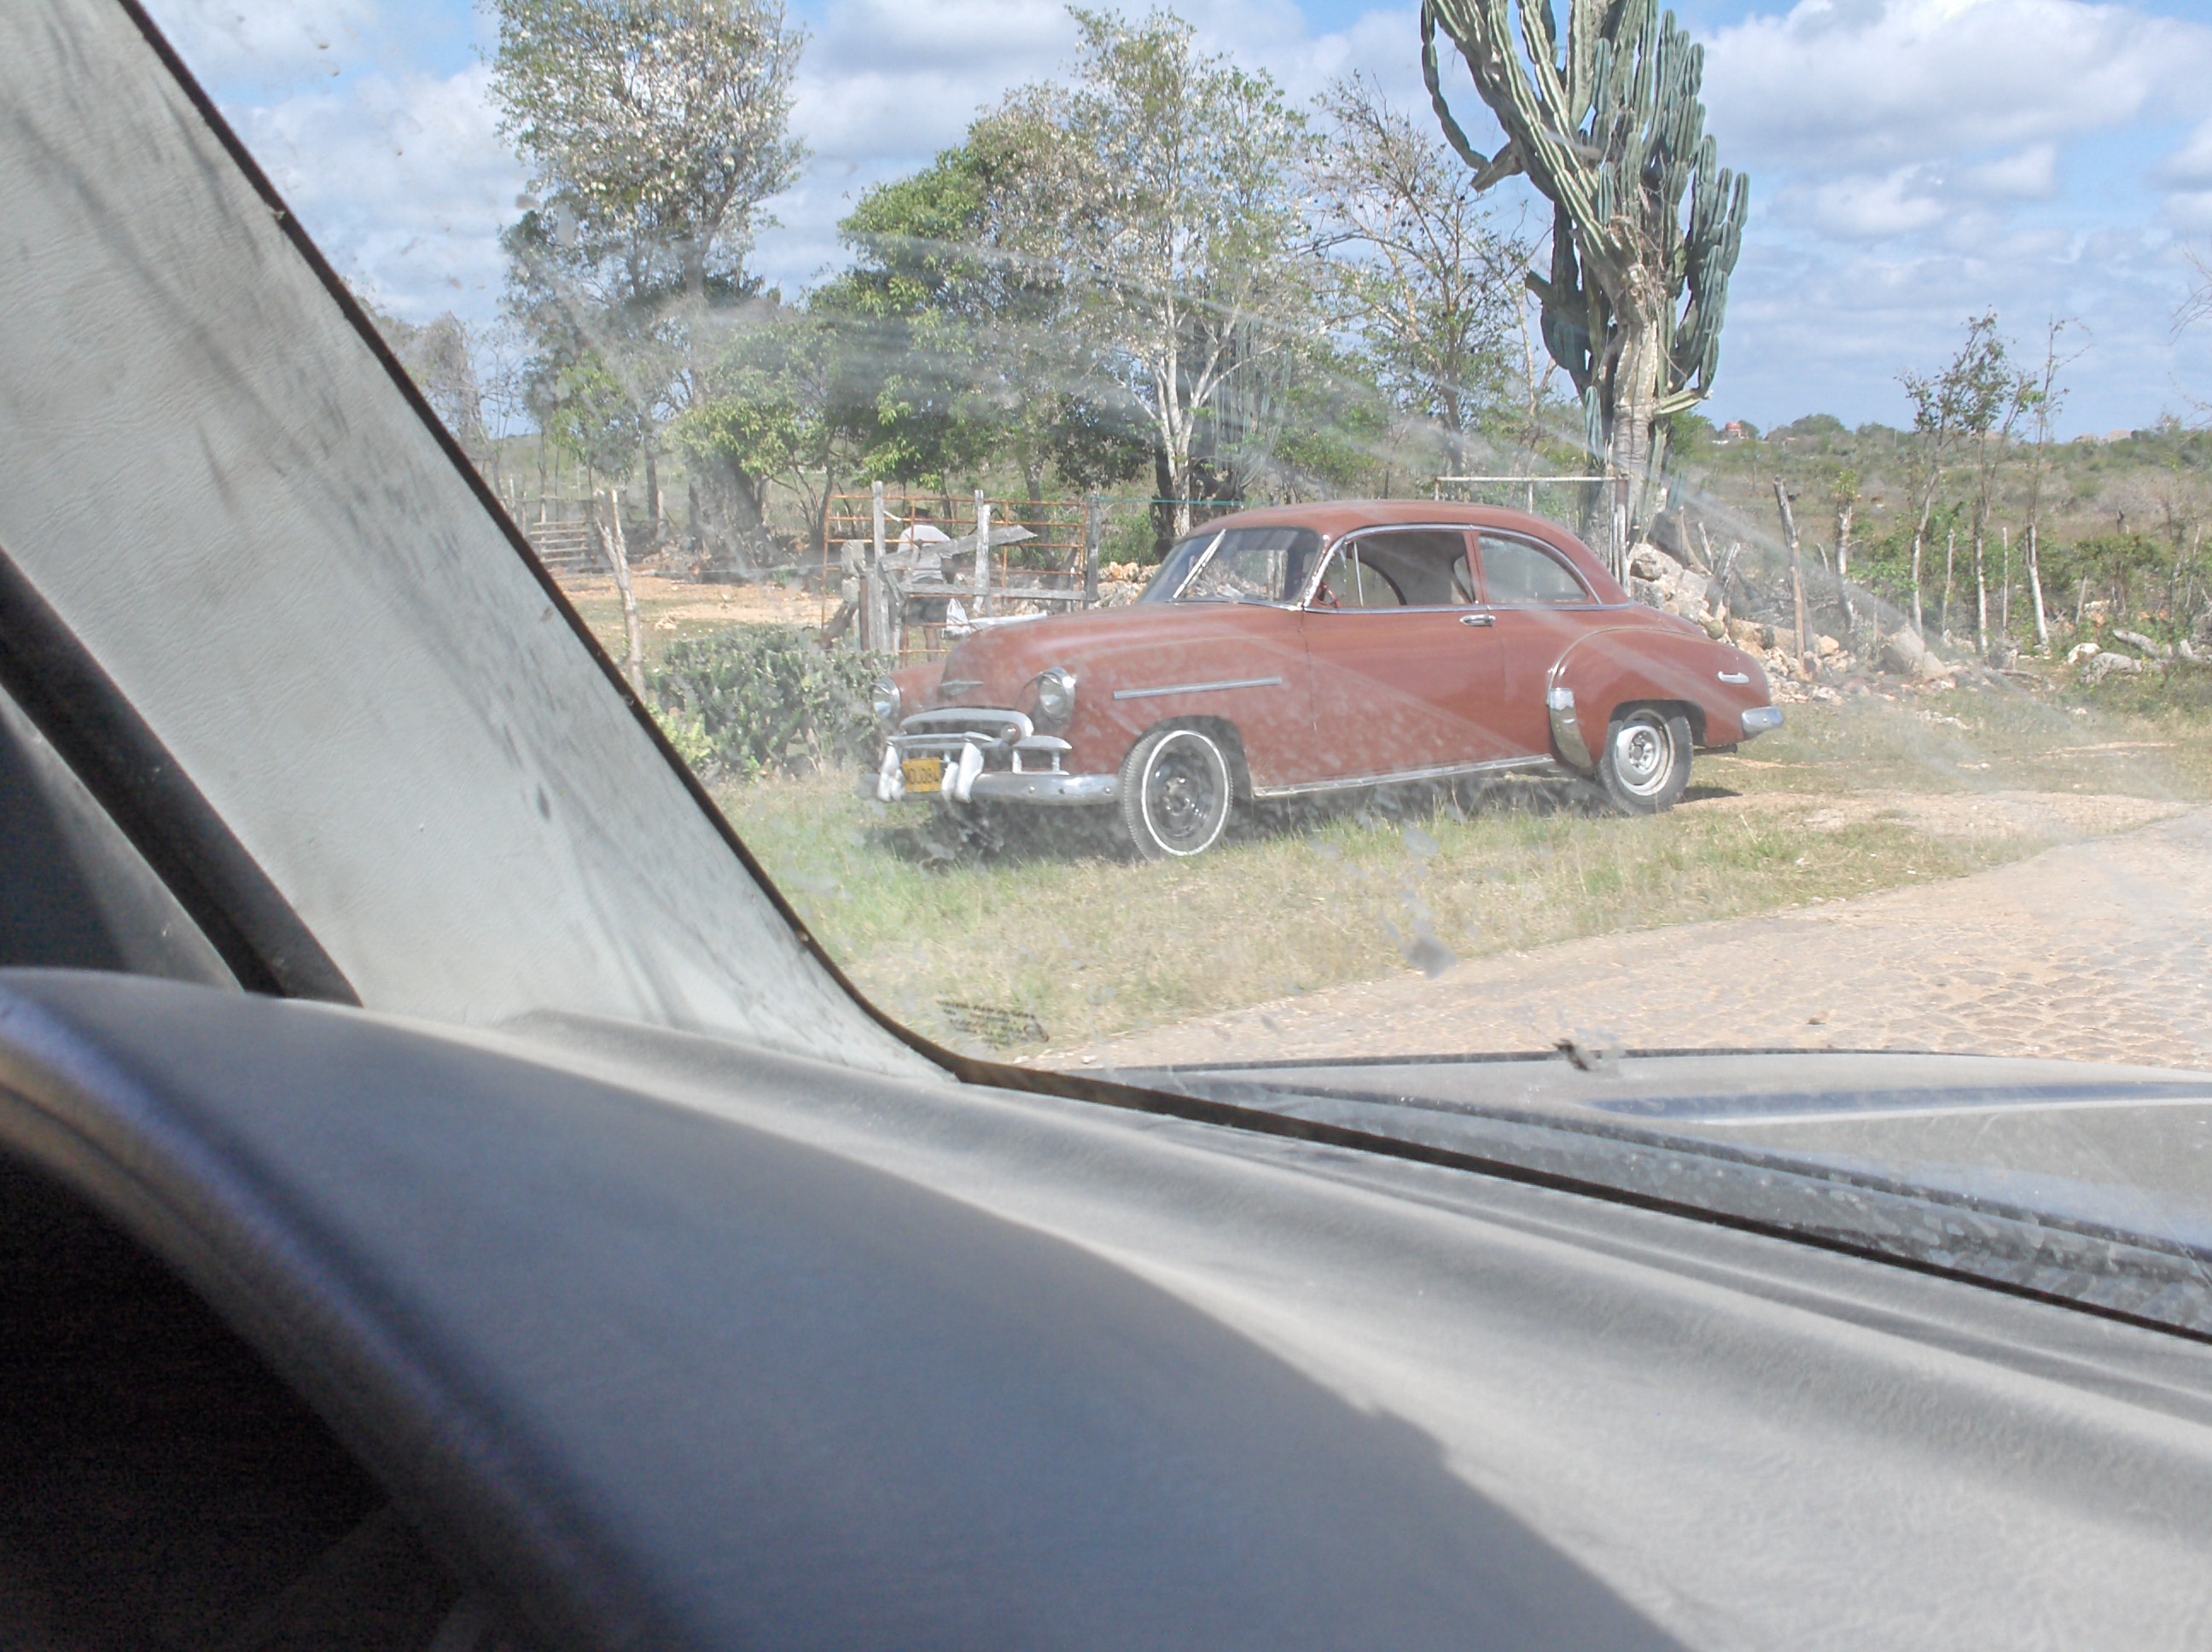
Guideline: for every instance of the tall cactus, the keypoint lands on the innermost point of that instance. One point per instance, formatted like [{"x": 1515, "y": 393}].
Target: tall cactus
[{"x": 1611, "y": 130}]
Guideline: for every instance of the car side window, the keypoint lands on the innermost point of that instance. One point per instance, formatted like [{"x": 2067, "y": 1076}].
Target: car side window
[
  {"x": 1354, "y": 581},
  {"x": 1520, "y": 574},
  {"x": 1419, "y": 568}
]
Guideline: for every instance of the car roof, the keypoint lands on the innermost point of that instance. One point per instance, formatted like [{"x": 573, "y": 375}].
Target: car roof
[{"x": 1334, "y": 519}]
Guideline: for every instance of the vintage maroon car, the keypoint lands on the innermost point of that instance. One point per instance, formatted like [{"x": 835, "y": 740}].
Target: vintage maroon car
[{"x": 1315, "y": 648}]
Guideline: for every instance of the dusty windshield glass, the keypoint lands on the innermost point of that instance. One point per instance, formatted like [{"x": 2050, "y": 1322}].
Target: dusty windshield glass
[
  {"x": 1238, "y": 565},
  {"x": 1777, "y": 612}
]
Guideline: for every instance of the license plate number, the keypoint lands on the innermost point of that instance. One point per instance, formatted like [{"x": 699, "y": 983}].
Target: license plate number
[{"x": 923, "y": 773}]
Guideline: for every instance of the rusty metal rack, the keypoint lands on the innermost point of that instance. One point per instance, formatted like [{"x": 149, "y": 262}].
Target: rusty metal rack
[{"x": 909, "y": 593}]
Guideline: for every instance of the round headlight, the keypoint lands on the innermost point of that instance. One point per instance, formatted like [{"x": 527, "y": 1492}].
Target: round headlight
[
  {"x": 886, "y": 699},
  {"x": 1055, "y": 697}
]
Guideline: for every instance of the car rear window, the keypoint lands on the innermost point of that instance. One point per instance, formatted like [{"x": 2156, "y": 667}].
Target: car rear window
[{"x": 1519, "y": 574}]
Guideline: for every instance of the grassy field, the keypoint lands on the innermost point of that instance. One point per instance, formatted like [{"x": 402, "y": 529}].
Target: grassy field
[{"x": 1051, "y": 941}]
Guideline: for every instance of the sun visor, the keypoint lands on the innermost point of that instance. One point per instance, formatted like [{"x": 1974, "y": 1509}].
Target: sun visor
[{"x": 224, "y": 491}]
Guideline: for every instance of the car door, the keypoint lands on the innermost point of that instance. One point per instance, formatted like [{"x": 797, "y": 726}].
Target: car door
[
  {"x": 1539, "y": 605},
  {"x": 1403, "y": 659}
]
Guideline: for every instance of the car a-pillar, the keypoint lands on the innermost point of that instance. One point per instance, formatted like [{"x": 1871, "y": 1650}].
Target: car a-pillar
[{"x": 1179, "y": 785}]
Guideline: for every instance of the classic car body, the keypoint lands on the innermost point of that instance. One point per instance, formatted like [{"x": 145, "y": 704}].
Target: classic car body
[{"x": 1362, "y": 643}]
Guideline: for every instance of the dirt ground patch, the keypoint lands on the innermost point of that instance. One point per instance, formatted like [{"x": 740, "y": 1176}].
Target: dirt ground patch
[
  {"x": 671, "y": 608},
  {"x": 2053, "y": 815}
]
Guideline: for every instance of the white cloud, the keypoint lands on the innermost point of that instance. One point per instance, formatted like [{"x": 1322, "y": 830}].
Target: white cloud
[
  {"x": 2189, "y": 166},
  {"x": 2029, "y": 174},
  {"x": 1868, "y": 84},
  {"x": 403, "y": 182},
  {"x": 269, "y": 40}
]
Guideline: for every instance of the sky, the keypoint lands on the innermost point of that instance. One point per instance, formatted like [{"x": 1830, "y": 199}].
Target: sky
[{"x": 1913, "y": 162}]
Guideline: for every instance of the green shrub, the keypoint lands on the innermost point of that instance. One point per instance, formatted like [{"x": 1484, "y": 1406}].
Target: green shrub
[{"x": 764, "y": 699}]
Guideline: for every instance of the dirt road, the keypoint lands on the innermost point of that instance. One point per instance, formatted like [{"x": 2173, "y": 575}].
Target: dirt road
[{"x": 2100, "y": 950}]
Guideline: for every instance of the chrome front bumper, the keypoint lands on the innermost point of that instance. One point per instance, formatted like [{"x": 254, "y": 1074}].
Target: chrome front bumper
[{"x": 989, "y": 755}]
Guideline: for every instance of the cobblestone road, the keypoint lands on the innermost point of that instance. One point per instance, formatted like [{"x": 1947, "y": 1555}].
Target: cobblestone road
[{"x": 2098, "y": 950}]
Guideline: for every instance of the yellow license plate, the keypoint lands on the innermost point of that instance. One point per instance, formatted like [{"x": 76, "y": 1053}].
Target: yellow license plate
[{"x": 924, "y": 774}]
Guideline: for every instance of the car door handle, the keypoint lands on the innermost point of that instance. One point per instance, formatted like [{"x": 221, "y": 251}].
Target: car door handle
[
  {"x": 1737, "y": 678},
  {"x": 1478, "y": 619}
]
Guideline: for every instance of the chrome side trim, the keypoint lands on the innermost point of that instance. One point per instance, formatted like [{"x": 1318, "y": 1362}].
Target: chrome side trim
[
  {"x": 1405, "y": 776},
  {"x": 1198, "y": 688}
]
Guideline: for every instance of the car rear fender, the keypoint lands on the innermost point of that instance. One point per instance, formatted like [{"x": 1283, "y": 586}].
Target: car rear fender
[{"x": 1712, "y": 683}]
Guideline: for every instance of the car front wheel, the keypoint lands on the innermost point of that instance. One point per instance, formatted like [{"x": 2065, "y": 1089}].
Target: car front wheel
[
  {"x": 1176, "y": 793},
  {"x": 1645, "y": 765}
]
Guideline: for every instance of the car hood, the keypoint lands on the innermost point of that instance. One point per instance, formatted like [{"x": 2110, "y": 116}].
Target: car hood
[
  {"x": 1000, "y": 659},
  {"x": 2092, "y": 1183}
]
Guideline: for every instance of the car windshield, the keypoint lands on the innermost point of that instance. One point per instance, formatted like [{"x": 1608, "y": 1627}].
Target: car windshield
[
  {"x": 1236, "y": 565},
  {"x": 938, "y": 419}
]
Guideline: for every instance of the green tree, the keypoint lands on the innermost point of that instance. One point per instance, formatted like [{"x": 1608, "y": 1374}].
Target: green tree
[
  {"x": 1168, "y": 188},
  {"x": 1963, "y": 402},
  {"x": 1417, "y": 265},
  {"x": 983, "y": 355},
  {"x": 786, "y": 402},
  {"x": 654, "y": 131}
]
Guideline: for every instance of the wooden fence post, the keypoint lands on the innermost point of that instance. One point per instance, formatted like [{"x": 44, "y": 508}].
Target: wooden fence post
[
  {"x": 618, "y": 556},
  {"x": 1093, "y": 533},
  {"x": 874, "y": 615},
  {"x": 1796, "y": 568},
  {"x": 982, "y": 554}
]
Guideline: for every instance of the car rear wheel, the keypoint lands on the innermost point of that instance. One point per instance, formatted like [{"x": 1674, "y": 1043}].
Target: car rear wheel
[
  {"x": 1176, "y": 793},
  {"x": 1645, "y": 765}
]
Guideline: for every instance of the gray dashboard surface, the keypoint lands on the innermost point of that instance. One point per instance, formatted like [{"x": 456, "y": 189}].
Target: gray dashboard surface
[{"x": 695, "y": 1345}]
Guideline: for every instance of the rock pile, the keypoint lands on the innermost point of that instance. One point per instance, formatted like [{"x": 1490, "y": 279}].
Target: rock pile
[
  {"x": 2099, "y": 660},
  {"x": 1658, "y": 576}
]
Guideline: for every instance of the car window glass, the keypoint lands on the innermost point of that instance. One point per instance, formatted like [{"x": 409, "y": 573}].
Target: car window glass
[
  {"x": 1355, "y": 580},
  {"x": 1254, "y": 565},
  {"x": 1175, "y": 567},
  {"x": 1519, "y": 574},
  {"x": 1426, "y": 566},
  {"x": 926, "y": 483}
]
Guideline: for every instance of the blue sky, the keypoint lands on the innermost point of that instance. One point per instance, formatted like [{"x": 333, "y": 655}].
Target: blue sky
[{"x": 1913, "y": 162}]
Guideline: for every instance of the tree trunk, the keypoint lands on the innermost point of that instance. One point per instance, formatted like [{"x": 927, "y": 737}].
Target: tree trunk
[
  {"x": 1950, "y": 577},
  {"x": 1632, "y": 446},
  {"x": 2005, "y": 590},
  {"x": 2035, "y": 586},
  {"x": 1981, "y": 590},
  {"x": 1919, "y": 543},
  {"x": 652, "y": 496},
  {"x": 618, "y": 556},
  {"x": 1844, "y": 512}
]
